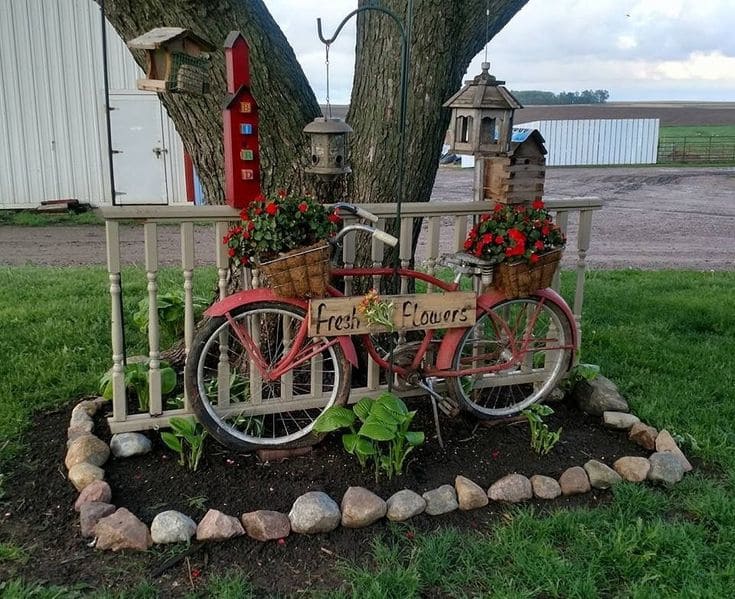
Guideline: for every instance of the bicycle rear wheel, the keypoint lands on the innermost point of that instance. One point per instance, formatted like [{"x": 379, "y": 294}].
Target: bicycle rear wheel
[
  {"x": 230, "y": 397},
  {"x": 528, "y": 342}
]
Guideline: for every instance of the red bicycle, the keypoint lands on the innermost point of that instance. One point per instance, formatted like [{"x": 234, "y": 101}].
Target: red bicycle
[{"x": 256, "y": 378}]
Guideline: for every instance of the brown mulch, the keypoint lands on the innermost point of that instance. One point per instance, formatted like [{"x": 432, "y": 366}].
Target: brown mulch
[{"x": 37, "y": 511}]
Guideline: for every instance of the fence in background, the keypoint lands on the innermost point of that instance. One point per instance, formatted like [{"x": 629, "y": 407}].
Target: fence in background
[
  {"x": 444, "y": 228},
  {"x": 696, "y": 150}
]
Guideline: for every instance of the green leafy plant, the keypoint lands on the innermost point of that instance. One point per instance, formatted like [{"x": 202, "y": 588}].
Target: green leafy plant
[
  {"x": 187, "y": 439},
  {"x": 272, "y": 226},
  {"x": 382, "y": 438},
  {"x": 171, "y": 308},
  {"x": 137, "y": 381},
  {"x": 542, "y": 439},
  {"x": 580, "y": 372}
]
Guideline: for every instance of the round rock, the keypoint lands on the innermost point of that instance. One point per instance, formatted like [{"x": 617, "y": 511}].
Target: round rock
[
  {"x": 91, "y": 513},
  {"x": 82, "y": 475},
  {"x": 665, "y": 442},
  {"x": 98, "y": 490},
  {"x": 512, "y": 488},
  {"x": 216, "y": 526},
  {"x": 441, "y": 500},
  {"x": 361, "y": 507},
  {"x": 266, "y": 525},
  {"x": 665, "y": 468},
  {"x": 619, "y": 421},
  {"x": 601, "y": 475},
  {"x": 643, "y": 435},
  {"x": 545, "y": 487},
  {"x": 632, "y": 468},
  {"x": 404, "y": 504},
  {"x": 122, "y": 530},
  {"x": 172, "y": 527},
  {"x": 574, "y": 481},
  {"x": 314, "y": 512},
  {"x": 470, "y": 495},
  {"x": 125, "y": 445},
  {"x": 598, "y": 396},
  {"x": 89, "y": 449}
]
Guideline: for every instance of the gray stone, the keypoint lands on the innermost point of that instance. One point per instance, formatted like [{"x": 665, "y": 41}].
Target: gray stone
[
  {"x": 643, "y": 435},
  {"x": 125, "y": 445},
  {"x": 555, "y": 396},
  {"x": 598, "y": 396},
  {"x": 313, "y": 513},
  {"x": 601, "y": 475},
  {"x": 512, "y": 488},
  {"x": 79, "y": 430},
  {"x": 266, "y": 525},
  {"x": 216, "y": 526},
  {"x": 545, "y": 487},
  {"x": 88, "y": 407},
  {"x": 80, "y": 419},
  {"x": 619, "y": 421},
  {"x": 403, "y": 505},
  {"x": 665, "y": 468},
  {"x": 122, "y": 530},
  {"x": 574, "y": 481},
  {"x": 172, "y": 527},
  {"x": 361, "y": 507},
  {"x": 89, "y": 449},
  {"x": 470, "y": 495},
  {"x": 632, "y": 468},
  {"x": 665, "y": 442},
  {"x": 441, "y": 500},
  {"x": 92, "y": 512},
  {"x": 98, "y": 490},
  {"x": 82, "y": 475}
]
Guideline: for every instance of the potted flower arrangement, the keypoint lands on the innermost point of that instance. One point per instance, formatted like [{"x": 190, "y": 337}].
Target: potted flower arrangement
[
  {"x": 524, "y": 244},
  {"x": 286, "y": 239}
]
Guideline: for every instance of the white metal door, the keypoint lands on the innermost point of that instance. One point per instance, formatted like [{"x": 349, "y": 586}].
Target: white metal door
[{"x": 139, "y": 152}]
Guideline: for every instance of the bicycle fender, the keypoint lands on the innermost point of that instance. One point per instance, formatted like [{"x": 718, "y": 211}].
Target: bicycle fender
[
  {"x": 265, "y": 294},
  {"x": 486, "y": 301}
]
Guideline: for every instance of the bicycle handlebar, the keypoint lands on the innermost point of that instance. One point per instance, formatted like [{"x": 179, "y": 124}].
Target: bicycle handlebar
[
  {"x": 356, "y": 211},
  {"x": 382, "y": 236}
]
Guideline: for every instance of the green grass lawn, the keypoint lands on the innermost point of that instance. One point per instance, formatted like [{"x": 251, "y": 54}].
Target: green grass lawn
[
  {"x": 667, "y": 338},
  {"x": 697, "y": 131},
  {"x": 29, "y": 218}
]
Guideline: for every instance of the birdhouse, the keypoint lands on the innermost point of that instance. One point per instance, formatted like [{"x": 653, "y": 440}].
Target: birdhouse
[
  {"x": 482, "y": 116},
  {"x": 240, "y": 122},
  {"x": 518, "y": 177},
  {"x": 177, "y": 60},
  {"x": 328, "y": 147}
]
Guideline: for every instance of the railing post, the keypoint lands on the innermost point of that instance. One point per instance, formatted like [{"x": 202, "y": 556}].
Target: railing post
[
  {"x": 433, "y": 247},
  {"x": 583, "y": 244},
  {"x": 119, "y": 403},
  {"x": 223, "y": 367},
  {"x": 187, "y": 266},
  {"x": 150, "y": 236}
]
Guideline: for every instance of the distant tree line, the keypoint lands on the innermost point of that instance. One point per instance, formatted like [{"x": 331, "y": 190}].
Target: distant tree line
[{"x": 588, "y": 96}]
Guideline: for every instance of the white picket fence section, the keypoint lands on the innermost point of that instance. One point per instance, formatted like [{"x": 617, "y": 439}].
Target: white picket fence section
[
  {"x": 598, "y": 141},
  {"x": 444, "y": 228}
]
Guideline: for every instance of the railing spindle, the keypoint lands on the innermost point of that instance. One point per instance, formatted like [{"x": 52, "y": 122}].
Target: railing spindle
[
  {"x": 119, "y": 403},
  {"x": 433, "y": 247},
  {"x": 562, "y": 219},
  {"x": 187, "y": 266},
  {"x": 150, "y": 235},
  {"x": 223, "y": 366}
]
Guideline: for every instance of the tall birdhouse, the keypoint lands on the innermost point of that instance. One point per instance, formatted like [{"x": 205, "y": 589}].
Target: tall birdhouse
[
  {"x": 482, "y": 116},
  {"x": 518, "y": 176},
  {"x": 177, "y": 60},
  {"x": 240, "y": 122}
]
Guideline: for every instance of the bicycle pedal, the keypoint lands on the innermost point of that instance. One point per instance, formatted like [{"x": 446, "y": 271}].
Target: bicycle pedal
[{"x": 449, "y": 407}]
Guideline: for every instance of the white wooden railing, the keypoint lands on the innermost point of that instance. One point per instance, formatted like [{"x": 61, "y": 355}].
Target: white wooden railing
[{"x": 444, "y": 229}]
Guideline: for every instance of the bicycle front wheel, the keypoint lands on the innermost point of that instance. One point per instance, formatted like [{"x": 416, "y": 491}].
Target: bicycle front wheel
[
  {"x": 235, "y": 402},
  {"x": 525, "y": 344}
]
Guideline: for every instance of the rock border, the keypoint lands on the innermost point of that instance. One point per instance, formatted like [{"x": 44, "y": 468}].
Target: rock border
[{"x": 316, "y": 512}]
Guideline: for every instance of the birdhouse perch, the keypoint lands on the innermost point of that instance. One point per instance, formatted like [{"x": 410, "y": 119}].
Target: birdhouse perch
[{"x": 177, "y": 60}]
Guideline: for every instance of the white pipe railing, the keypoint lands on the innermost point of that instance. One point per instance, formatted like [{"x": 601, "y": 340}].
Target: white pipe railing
[{"x": 444, "y": 228}]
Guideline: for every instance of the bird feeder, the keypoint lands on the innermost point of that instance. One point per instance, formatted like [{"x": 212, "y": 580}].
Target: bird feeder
[
  {"x": 177, "y": 61},
  {"x": 328, "y": 147},
  {"x": 482, "y": 116}
]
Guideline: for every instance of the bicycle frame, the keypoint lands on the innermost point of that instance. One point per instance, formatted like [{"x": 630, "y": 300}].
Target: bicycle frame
[{"x": 303, "y": 350}]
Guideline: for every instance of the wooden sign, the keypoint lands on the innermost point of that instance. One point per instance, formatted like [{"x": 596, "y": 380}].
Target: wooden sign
[{"x": 333, "y": 316}]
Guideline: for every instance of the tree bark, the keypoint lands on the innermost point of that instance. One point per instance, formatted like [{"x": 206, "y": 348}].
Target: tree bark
[{"x": 446, "y": 36}]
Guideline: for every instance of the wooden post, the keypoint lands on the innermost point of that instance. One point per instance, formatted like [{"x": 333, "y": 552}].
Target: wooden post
[
  {"x": 150, "y": 236},
  {"x": 119, "y": 403},
  {"x": 187, "y": 266}
]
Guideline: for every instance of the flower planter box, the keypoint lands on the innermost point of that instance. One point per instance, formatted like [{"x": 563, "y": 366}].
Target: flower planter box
[
  {"x": 520, "y": 279},
  {"x": 303, "y": 272}
]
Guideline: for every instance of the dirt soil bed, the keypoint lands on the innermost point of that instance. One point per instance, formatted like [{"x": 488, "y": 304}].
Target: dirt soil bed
[{"x": 37, "y": 512}]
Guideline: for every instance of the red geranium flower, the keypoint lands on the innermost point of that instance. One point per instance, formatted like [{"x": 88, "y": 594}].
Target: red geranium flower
[
  {"x": 539, "y": 245},
  {"x": 231, "y": 252},
  {"x": 537, "y": 204},
  {"x": 303, "y": 207},
  {"x": 281, "y": 193},
  {"x": 468, "y": 244},
  {"x": 271, "y": 208},
  {"x": 334, "y": 218},
  {"x": 534, "y": 258},
  {"x": 499, "y": 240}
]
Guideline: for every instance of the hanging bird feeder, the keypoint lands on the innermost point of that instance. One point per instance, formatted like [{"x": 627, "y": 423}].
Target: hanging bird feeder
[{"x": 328, "y": 147}]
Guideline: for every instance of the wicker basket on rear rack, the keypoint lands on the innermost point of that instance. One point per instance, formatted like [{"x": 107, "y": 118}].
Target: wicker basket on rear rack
[
  {"x": 520, "y": 279},
  {"x": 303, "y": 272}
]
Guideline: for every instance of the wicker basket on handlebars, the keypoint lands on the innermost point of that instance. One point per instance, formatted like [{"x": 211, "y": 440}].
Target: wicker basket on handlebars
[
  {"x": 520, "y": 279},
  {"x": 303, "y": 272}
]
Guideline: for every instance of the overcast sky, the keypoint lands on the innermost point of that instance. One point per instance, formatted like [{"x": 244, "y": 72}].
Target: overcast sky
[{"x": 636, "y": 49}]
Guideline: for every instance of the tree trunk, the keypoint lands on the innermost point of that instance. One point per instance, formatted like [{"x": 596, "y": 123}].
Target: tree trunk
[{"x": 446, "y": 35}]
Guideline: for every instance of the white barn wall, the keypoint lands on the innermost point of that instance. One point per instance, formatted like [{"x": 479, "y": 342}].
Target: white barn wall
[{"x": 53, "y": 140}]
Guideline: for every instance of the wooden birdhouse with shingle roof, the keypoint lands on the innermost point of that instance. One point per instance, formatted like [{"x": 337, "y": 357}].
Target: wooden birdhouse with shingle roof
[
  {"x": 518, "y": 176},
  {"x": 482, "y": 116},
  {"x": 177, "y": 60}
]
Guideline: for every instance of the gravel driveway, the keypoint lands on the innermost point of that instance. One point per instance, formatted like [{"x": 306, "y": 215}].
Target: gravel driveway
[{"x": 653, "y": 218}]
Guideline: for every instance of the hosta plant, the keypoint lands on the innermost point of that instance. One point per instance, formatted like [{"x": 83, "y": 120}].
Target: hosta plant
[
  {"x": 136, "y": 380},
  {"x": 542, "y": 439},
  {"x": 186, "y": 438}
]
